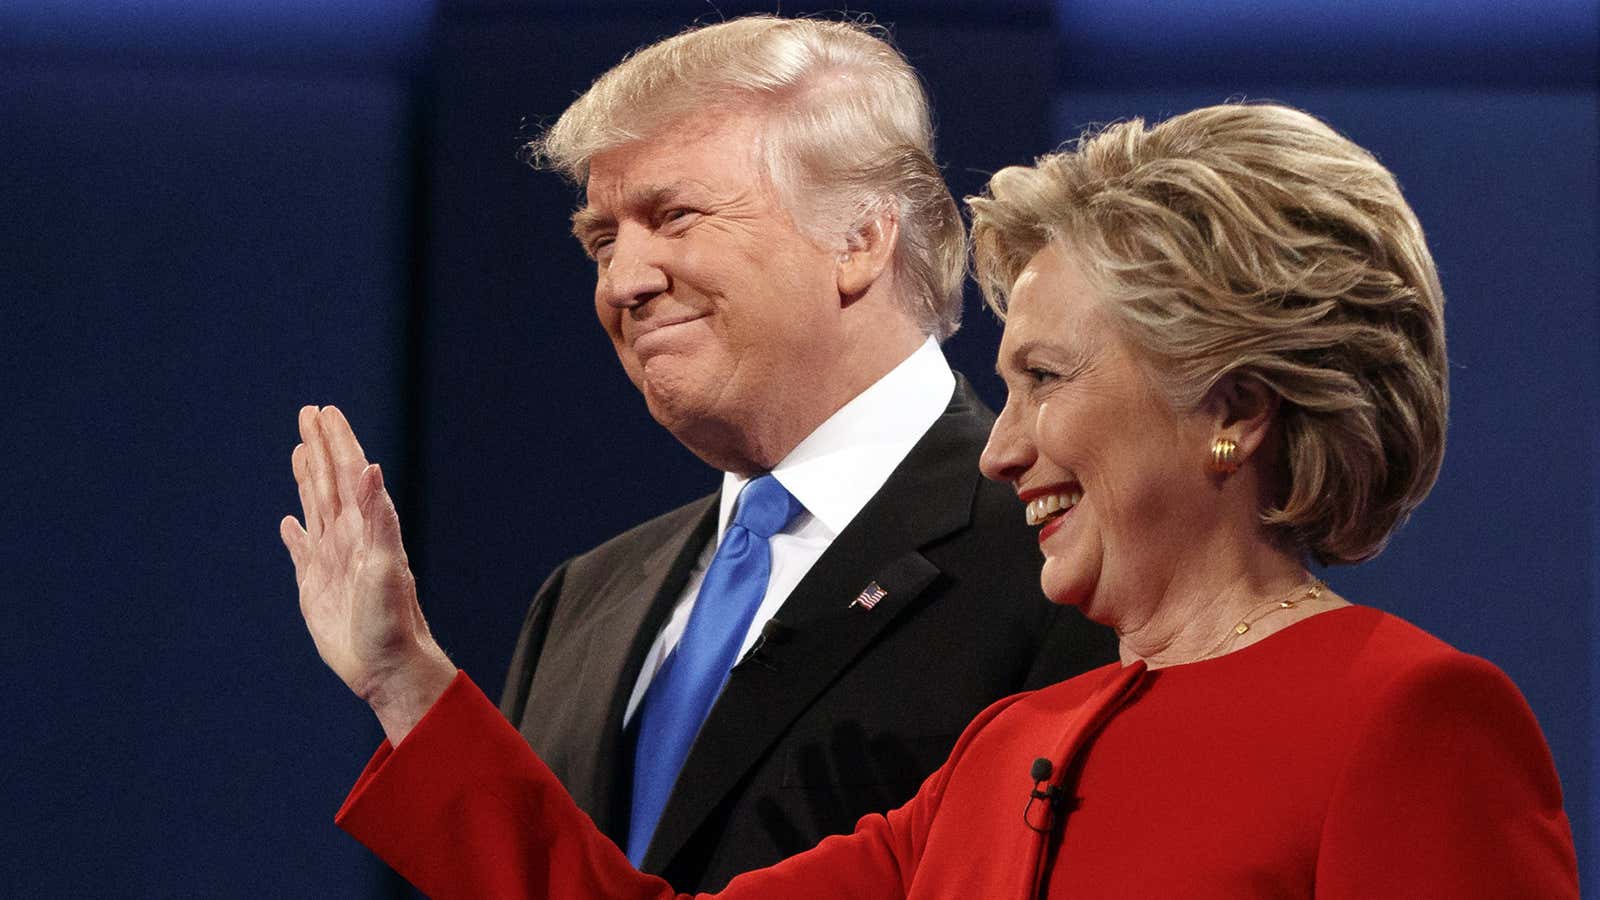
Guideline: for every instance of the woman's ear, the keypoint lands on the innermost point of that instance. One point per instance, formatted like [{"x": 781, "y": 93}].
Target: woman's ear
[
  {"x": 868, "y": 252},
  {"x": 1243, "y": 410}
]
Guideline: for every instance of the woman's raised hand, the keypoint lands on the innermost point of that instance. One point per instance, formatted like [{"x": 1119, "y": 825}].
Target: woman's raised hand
[{"x": 357, "y": 593}]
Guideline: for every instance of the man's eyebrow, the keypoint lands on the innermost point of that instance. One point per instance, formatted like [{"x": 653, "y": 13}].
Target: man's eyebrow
[{"x": 587, "y": 221}]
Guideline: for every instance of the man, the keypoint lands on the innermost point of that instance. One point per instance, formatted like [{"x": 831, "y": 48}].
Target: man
[{"x": 777, "y": 258}]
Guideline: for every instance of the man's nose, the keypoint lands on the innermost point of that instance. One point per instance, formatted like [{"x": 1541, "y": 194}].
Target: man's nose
[{"x": 634, "y": 274}]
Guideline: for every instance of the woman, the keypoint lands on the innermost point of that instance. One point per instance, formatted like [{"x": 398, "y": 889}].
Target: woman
[{"x": 1224, "y": 355}]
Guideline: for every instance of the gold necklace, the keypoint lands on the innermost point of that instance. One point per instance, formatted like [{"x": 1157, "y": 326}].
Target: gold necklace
[{"x": 1313, "y": 592}]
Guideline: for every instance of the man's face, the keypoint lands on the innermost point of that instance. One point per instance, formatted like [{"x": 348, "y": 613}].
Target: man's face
[{"x": 724, "y": 315}]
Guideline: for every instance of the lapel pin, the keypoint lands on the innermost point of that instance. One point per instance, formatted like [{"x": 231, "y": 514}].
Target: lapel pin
[{"x": 869, "y": 596}]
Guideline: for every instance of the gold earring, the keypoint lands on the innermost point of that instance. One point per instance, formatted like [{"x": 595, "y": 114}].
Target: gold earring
[{"x": 1224, "y": 456}]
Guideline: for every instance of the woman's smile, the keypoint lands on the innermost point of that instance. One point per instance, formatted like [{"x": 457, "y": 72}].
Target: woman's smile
[{"x": 1050, "y": 506}]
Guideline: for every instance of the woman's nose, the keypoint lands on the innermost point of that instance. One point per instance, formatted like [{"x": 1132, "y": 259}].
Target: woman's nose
[{"x": 1009, "y": 452}]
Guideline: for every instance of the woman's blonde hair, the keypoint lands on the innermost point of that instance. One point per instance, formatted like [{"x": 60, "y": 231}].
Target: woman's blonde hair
[
  {"x": 848, "y": 132},
  {"x": 1255, "y": 241}
]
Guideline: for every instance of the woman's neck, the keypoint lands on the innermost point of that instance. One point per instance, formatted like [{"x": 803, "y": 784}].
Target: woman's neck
[{"x": 1221, "y": 606}]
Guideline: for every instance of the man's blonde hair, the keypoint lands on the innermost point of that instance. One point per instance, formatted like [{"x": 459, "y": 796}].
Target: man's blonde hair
[
  {"x": 849, "y": 133},
  {"x": 1255, "y": 240}
]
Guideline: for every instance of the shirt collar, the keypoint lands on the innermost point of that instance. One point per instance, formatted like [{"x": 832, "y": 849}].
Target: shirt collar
[{"x": 843, "y": 463}]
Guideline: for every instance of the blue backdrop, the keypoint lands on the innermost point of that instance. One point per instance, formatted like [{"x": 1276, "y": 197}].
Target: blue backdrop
[{"x": 213, "y": 212}]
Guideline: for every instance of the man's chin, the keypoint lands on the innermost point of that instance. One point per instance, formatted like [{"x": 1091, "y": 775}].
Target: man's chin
[
  {"x": 674, "y": 406},
  {"x": 668, "y": 379}
]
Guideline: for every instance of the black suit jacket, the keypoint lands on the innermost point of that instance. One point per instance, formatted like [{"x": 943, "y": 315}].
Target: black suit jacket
[{"x": 845, "y": 716}]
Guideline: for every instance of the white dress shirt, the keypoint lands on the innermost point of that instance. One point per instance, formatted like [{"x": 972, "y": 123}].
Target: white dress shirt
[{"x": 833, "y": 473}]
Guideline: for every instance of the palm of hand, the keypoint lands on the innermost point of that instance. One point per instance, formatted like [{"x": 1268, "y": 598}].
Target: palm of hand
[{"x": 357, "y": 593}]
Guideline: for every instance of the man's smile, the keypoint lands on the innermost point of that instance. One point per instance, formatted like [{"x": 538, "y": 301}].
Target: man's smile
[{"x": 656, "y": 335}]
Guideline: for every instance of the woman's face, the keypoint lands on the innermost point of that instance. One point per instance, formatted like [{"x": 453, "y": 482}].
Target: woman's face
[{"x": 1112, "y": 476}]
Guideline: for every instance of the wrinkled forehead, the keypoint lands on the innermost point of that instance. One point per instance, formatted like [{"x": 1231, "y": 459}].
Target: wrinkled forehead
[
  {"x": 1054, "y": 280},
  {"x": 736, "y": 132},
  {"x": 700, "y": 148},
  {"x": 1052, "y": 295}
]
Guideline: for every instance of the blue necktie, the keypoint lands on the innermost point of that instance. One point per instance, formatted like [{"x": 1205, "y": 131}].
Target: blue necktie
[{"x": 692, "y": 675}]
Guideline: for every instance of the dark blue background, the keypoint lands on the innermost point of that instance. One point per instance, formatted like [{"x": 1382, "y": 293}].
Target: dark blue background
[{"x": 211, "y": 213}]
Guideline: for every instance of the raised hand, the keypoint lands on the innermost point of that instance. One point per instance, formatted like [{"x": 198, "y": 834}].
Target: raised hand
[{"x": 357, "y": 594}]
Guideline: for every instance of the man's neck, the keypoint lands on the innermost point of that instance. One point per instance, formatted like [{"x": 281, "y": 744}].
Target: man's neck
[
  {"x": 841, "y": 465},
  {"x": 759, "y": 445}
]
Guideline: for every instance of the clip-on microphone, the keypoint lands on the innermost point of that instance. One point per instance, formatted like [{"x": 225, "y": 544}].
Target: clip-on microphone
[{"x": 1040, "y": 773}]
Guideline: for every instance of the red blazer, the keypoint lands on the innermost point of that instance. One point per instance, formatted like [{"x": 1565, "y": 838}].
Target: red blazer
[{"x": 1348, "y": 756}]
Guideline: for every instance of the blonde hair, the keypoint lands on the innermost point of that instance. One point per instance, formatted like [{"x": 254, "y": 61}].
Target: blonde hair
[
  {"x": 1254, "y": 240},
  {"x": 849, "y": 132}
]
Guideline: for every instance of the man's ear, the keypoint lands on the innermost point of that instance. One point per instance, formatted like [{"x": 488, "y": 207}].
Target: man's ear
[
  {"x": 1244, "y": 410},
  {"x": 867, "y": 252}
]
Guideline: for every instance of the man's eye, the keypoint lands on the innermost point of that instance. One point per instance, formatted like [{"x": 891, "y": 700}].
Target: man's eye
[
  {"x": 1040, "y": 376},
  {"x": 678, "y": 215}
]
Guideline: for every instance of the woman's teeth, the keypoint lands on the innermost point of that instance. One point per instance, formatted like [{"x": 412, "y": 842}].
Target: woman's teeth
[{"x": 1042, "y": 509}]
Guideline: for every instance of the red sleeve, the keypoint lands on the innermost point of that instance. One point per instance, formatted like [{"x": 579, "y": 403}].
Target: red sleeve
[
  {"x": 1449, "y": 791},
  {"x": 464, "y": 808}
]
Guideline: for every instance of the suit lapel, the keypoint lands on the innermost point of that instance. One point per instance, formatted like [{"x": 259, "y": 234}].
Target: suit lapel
[
  {"x": 929, "y": 496},
  {"x": 605, "y": 640}
]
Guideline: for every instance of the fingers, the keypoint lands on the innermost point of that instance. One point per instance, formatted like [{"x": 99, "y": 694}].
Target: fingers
[
  {"x": 344, "y": 454},
  {"x": 318, "y": 494},
  {"x": 300, "y": 461},
  {"x": 331, "y": 472},
  {"x": 377, "y": 508}
]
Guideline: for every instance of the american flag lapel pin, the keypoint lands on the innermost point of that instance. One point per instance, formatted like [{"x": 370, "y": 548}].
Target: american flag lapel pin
[{"x": 869, "y": 596}]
